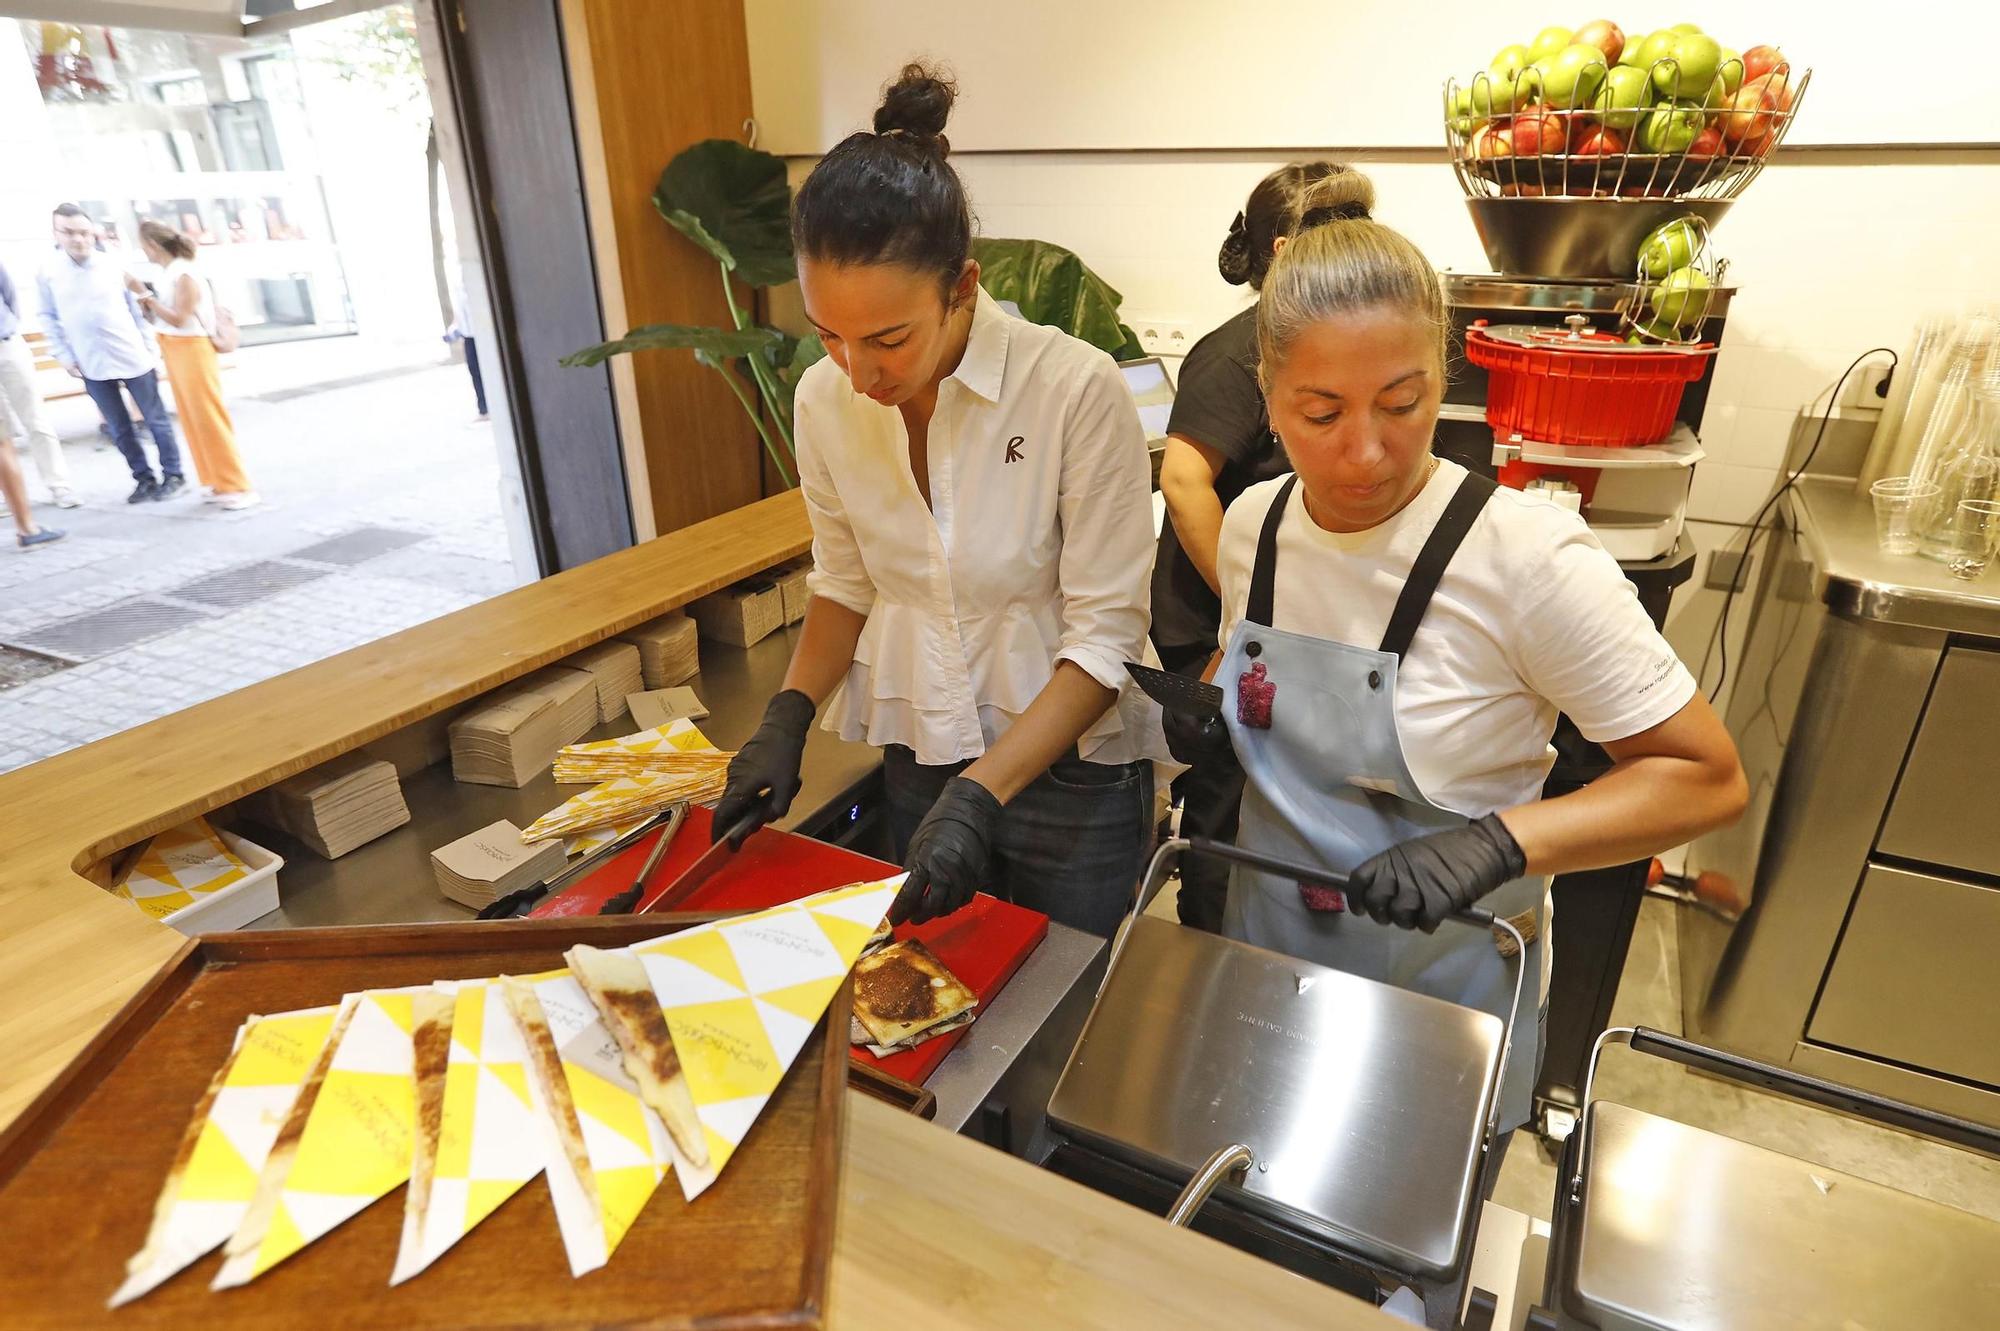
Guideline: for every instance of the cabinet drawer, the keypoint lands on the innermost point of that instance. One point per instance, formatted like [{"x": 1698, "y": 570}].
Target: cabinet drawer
[
  {"x": 1941, "y": 812},
  {"x": 1913, "y": 980}
]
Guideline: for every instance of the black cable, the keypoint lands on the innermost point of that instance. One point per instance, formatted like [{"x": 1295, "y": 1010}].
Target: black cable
[{"x": 1718, "y": 640}]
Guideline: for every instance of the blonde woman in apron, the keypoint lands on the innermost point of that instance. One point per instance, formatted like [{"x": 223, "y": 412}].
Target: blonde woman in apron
[{"x": 1398, "y": 637}]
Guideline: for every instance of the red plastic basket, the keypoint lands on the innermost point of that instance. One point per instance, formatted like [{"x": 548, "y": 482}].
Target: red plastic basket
[{"x": 1579, "y": 391}]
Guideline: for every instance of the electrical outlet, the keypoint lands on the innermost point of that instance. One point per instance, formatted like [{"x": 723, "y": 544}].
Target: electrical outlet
[{"x": 1165, "y": 337}]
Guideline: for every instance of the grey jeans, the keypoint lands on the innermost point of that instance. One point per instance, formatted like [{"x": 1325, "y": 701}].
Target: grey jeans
[{"x": 1072, "y": 845}]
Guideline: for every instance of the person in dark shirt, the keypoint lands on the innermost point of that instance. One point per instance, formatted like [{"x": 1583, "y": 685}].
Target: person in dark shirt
[{"x": 1219, "y": 443}]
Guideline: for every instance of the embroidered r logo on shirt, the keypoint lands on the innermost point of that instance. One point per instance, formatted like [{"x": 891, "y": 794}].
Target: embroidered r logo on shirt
[{"x": 1014, "y": 448}]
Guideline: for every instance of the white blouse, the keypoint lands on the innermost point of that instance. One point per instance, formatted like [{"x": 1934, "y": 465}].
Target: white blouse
[
  {"x": 1037, "y": 547},
  {"x": 204, "y": 307}
]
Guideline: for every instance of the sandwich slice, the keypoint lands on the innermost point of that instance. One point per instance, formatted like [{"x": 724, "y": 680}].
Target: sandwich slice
[
  {"x": 617, "y": 984},
  {"x": 545, "y": 1061},
  {"x": 903, "y": 995}
]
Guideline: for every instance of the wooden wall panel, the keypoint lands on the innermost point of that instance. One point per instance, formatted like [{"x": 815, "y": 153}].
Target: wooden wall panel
[{"x": 663, "y": 74}]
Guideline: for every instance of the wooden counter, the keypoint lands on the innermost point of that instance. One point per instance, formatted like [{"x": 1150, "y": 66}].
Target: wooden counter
[
  {"x": 935, "y": 1230},
  {"x": 73, "y": 953}
]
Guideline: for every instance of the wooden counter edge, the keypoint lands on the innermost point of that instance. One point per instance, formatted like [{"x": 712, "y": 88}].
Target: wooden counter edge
[{"x": 74, "y": 953}]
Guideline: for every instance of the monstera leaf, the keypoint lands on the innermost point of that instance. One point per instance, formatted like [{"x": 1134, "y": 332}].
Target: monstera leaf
[
  {"x": 1052, "y": 286},
  {"x": 735, "y": 203},
  {"x": 789, "y": 359},
  {"x": 715, "y": 347}
]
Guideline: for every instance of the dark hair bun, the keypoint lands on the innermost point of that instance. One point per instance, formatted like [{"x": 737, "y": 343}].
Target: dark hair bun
[
  {"x": 916, "y": 107},
  {"x": 1233, "y": 259}
]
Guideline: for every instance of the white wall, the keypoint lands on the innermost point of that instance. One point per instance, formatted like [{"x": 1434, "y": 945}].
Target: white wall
[
  {"x": 1073, "y": 74},
  {"x": 1833, "y": 251}
]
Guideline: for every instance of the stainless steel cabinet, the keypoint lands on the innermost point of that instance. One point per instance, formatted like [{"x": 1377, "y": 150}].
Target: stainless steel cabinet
[{"x": 1858, "y": 935}]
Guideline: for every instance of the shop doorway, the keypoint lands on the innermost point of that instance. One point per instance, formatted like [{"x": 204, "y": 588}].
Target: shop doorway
[{"x": 305, "y": 167}]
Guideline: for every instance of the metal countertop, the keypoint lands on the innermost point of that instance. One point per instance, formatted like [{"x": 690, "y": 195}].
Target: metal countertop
[
  {"x": 390, "y": 881},
  {"x": 1856, "y": 580}
]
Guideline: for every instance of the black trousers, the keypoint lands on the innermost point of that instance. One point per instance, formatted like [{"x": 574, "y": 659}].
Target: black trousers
[{"x": 1072, "y": 845}]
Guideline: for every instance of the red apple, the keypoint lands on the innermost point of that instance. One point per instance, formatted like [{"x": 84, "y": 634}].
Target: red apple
[
  {"x": 1761, "y": 60},
  {"x": 1748, "y": 116},
  {"x": 1605, "y": 35},
  {"x": 1706, "y": 144},
  {"x": 1538, "y": 134},
  {"x": 1493, "y": 139},
  {"x": 1779, "y": 84},
  {"x": 1598, "y": 141}
]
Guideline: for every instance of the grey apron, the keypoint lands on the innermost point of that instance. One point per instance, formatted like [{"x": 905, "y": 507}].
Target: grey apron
[{"x": 1327, "y": 784}]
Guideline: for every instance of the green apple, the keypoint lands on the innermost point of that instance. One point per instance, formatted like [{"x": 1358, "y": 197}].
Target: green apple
[
  {"x": 1573, "y": 76},
  {"x": 1549, "y": 41},
  {"x": 1688, "y": 65},
  {"x": 1670, "y": 128},
  {"x": 1718, "y": 93},
  {"x": 1510, "y": 60},
  {"x": 1654, "y": 48},
  {"x": 1685, "y": 28},
  {"x": 1498, "y": 92},
  {"x": 1655, "y": 330},
  {"x": 1633, "y": 46},
  {"x": 1623, "y": 97},
  {"x": 1460, "y": 113},
  {"x": 1681, "y": 299},
  {"x": 1671, "y": 245},
  {"x": 1730, "y": 71}
]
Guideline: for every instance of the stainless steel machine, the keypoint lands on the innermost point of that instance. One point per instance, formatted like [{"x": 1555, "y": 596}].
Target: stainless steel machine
[
  {"x": 1341, "y": 1123},
  {"x": 1851, "y": 921},
  {"x": 1659, "y": 1226}
]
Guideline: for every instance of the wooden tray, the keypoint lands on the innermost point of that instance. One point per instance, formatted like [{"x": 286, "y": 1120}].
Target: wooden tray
[{"x": 81, "y": 1167}]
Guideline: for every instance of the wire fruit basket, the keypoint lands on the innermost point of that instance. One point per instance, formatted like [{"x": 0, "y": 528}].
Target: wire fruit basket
[
  {"x": 1612, "y": 133},
  {"x": 1677, "y": 284}
]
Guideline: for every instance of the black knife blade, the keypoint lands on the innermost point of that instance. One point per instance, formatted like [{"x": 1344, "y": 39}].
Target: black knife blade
[{"x": 1177, "y": 693}]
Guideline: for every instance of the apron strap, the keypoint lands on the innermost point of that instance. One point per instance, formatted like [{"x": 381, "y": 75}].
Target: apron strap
[
  {"x": 1445, "y": 538},
  {"x": 1264, "y": 573}
]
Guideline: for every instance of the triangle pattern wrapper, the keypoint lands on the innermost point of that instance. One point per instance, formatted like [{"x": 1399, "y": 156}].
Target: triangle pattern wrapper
[
  {"x": 180, "y": 866},
  {"x": 487, "y": 1141},
  {"x": 356, "y": 1141},
  {"x": 228, "y": 1139},
  {"x": 606, "y": 1150},
  {"x": 742, "y": 995}
]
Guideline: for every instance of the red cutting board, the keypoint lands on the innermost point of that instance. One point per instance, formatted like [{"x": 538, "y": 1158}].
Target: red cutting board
[{"x": 983, "y": 944}]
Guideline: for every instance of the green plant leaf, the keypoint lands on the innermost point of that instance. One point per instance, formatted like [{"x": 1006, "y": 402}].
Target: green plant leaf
[
  {"x": 789, "y": 358},
  {"x": 1053, "y": 286},
  {"x": 711, "y": 346},
  {"x": 736, "y": 204}
]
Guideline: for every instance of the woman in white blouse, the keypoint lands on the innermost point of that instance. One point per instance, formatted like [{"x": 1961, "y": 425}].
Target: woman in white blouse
[{"x": 983, "y": 543}]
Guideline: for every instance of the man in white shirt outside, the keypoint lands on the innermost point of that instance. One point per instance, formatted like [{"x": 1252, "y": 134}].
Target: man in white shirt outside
[
  {"x": 19, "y": 394},
  {"x": 97, "y": 333}
]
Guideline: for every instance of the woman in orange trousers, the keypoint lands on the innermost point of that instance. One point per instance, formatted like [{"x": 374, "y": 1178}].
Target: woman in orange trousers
[{"x": 185, "y": 315}]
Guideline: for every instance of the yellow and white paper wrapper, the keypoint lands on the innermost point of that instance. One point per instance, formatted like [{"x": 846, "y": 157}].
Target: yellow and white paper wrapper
[
  {"x": 205, "y": 1199},
  {"x": 682, "y": 735},
  {"x": 624, "y": 1139},
  {"x": 740, "y": 997},
  {"x": 595, "y": 839},
  {"x": 356, "y": 1145},
  {"x": 182, "y": 864},
  {"x": 489, "y": 1142}
]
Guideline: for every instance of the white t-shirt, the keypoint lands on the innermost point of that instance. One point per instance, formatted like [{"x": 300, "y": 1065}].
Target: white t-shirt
[
  {"x": 1532, "y": 617},
  {"x": 1037, "y": 546},
  {"x": 204, "y": 308}
]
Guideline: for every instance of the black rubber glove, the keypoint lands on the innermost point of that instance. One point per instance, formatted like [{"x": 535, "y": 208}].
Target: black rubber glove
[
  {"x": 1417, "y": 883},
  {"x": 1196, "y": 740},
  {"x": 949, "y": 854},
  {"x": 764, "y": 774}
]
